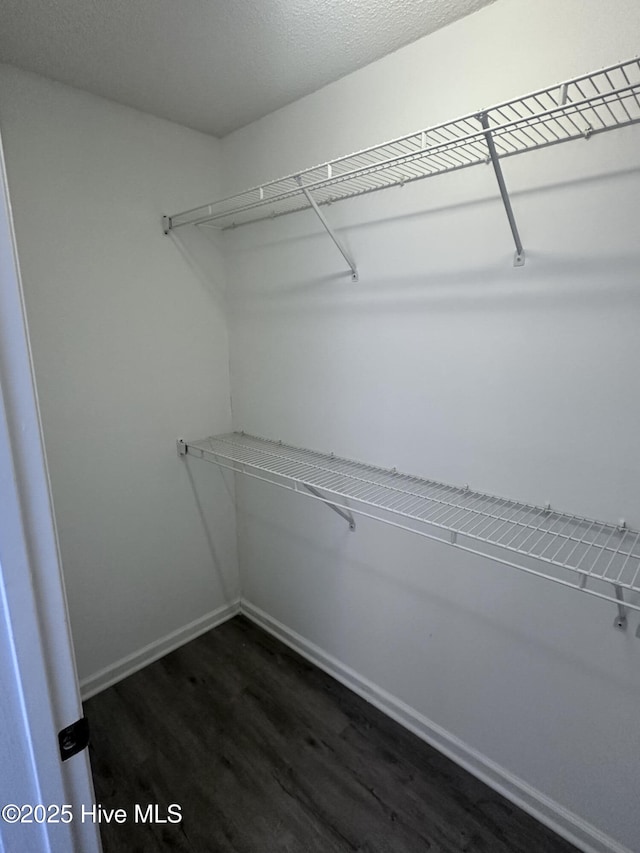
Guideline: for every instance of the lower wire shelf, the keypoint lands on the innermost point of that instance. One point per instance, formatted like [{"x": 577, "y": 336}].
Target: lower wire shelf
[{"x": 596, "y": 557}]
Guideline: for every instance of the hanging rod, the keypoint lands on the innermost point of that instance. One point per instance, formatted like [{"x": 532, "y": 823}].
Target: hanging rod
[
  {"x": 602, "y": 100},
  {"x": 598, "y": 558}
]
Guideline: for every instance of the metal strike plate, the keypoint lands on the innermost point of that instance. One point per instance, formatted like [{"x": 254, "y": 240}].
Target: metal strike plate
[{"x": 74, "y": 738}]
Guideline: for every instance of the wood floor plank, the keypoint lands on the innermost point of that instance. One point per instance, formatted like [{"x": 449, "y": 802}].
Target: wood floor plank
[{"x": 264, "y": 752}]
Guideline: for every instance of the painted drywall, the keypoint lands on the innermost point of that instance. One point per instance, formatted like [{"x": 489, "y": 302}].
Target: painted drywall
[
  {"x": 446, "y": 361},
  {"x": 130, "y": 349}
]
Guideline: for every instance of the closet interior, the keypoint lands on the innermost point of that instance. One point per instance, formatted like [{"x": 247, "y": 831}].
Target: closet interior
[{"x": 439, "y": 647}]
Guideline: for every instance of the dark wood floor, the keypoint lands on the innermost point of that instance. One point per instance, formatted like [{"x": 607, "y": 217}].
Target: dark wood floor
[{"x": 264, "y": 752}]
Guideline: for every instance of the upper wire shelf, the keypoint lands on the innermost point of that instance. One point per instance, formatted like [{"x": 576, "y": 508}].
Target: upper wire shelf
[
  {"x": 579, "y": 108},
  {"x": 597, "y": 557}
]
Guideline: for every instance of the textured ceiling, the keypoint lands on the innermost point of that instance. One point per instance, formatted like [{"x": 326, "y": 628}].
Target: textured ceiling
[{"x": 214, "y": 65}]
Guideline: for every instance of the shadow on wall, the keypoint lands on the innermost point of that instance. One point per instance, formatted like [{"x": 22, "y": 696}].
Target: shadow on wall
[
  {"x": 215, "y": 558},
  {"x": 449, "y": 281},
  {"x": 541, "y": 631},
  {"x": 202, "y": 251},
  {"x": 549, "y": 280},
  {"x": 421, "y": 206}
]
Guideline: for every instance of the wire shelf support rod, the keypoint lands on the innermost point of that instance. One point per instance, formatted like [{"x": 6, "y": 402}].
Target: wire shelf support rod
[
  {"x": 348, "y": 516},
  {"x": 518, "y": 258},
  {"x": 329, "y": 229}
]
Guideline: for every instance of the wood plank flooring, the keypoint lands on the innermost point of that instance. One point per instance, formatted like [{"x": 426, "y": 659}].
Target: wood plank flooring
[{"x": 264, "y": 752}]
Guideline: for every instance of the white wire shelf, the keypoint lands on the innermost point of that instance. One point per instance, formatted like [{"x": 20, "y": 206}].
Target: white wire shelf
[
  {"x": 599, "y": 558},
  {"x": 602, "y": 100}
]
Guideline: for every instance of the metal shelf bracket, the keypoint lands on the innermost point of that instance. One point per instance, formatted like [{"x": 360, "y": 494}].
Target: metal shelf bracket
[
  {"x": 348, "y": 517},
  {"x": 329, "y": 229},
  {"x": 621, "y": 618},
  {"x": 519, "y": 256},
  {"x": 181, "y": 447},
  {"x": 166, "y": 224}
]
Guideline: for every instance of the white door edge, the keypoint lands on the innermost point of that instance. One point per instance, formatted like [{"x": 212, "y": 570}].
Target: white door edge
[{"x": 40, "y": 686}]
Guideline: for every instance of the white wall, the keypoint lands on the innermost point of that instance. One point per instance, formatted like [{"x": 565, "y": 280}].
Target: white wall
[
  {"x": 446, "y": 361},
  {"x": 131, "y": 351}
]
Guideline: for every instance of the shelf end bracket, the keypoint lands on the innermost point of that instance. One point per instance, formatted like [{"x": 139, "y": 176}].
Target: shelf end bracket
[
  {"x": 166, "y": 224},
  {"x": 329, "y": 229},
  {"x": 348, "y": 517},
  {"x": 519, "y": 256},
  {"x": 181, "y": 447}
]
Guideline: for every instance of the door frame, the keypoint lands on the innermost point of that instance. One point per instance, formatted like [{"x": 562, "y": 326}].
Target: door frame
[{"x": 40, "y": 694}]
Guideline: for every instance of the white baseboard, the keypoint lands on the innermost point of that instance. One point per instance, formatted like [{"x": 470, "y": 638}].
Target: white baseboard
[
  {"x": 562, "y": 821},
  {"x": 132, "y": 663}
]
